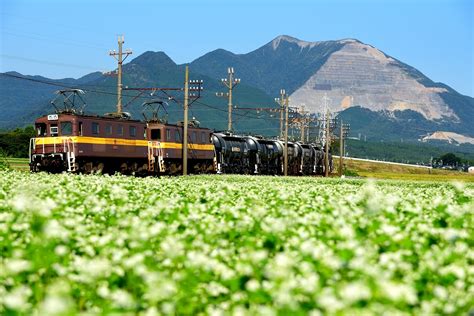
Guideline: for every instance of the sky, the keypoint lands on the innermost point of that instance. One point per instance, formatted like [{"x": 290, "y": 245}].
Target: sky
[{"x": 70, "y": 38}]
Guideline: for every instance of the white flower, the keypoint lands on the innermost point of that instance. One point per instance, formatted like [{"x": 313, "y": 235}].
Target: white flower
[
  {"x": 94, "y": 268},
  {"x": 103, "y": 291},
  {"x": 388, "y": 229},
  {"x": 17, "y": 299},
  {"x": 122, "y": 298},
  {"x": 455, "y": 270},
  {"x": 252, "y": 285},
  {"x": 16, "y": 266},
  {"x": 354, "y": 292},
  {"x": 56, "y": 305},
  {"x": 53, "y": 229},
  {"x": 172, "y": 247},
  {"x": 399, "y": 292},
  {"x": 440, "y": 292},
  {"x": 216, "y": 289},
  {"x": 61, "y": 250},
  {"x": 329, "y": 302}
]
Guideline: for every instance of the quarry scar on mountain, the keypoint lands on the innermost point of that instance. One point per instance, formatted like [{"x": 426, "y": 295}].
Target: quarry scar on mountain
[
  {"x": 359, "y": 74},
  {"x": 450, "y": 137}
]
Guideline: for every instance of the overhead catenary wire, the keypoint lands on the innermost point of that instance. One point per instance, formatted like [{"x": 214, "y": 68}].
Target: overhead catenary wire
[
  {"x": 209, "y": 107},
  {"x": 81, "y": 86},
  {"x": 46, "y": 62},
  {"x": 61, "y": 85},
  {"x": 55, "y": 40},
  {"x": 82, "y": 28}
]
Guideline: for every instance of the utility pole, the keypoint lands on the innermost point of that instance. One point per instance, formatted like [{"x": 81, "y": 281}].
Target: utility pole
[
  {"x": 342, "y": 135},
  {"x": 196, "y": 88},
  {"x": 302, "y": 132},
  {"x": 120, "y": 59},
  {"x": 303, "y": 123},
  {"x": 281, "y": 102},
  {"x": 326, "y": 159},
  {"x": 185, "y": 124},
  {"x": 341, "y": 148},
  {"x": 230, "y": 83},
  {"x": 285, "y": 153}
]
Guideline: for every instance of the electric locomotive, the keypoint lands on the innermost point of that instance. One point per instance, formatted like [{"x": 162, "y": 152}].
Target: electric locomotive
[{"x": 71, "y": 141}]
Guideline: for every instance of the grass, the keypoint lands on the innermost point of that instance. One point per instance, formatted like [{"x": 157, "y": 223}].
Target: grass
[
  {"x": 386, "y": 171},
  {"x": 362, "y": 168},
  {"x": 20, "y": 164},
  {"x": 420, "y": 177}
]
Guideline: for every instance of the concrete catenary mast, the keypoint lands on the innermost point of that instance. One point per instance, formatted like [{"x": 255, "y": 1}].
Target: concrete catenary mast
[
  {"x": 119, "y": 56},
  {"x": 230, "y": 82}
]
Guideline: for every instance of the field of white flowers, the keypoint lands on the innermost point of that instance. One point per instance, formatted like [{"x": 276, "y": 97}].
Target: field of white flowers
[{"x": 234, "y": 245}]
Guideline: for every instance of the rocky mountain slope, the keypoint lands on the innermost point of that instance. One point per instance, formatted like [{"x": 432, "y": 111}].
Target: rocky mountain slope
[
  {"x": 359, "y": 74},
  {"x": 352, "y": 75}
]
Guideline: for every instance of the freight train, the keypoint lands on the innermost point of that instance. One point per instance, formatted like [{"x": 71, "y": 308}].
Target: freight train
[{"x": 73, "y": 142}]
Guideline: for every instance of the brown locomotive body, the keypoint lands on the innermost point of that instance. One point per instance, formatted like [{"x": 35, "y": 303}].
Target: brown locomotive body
[
  {"x": 81, "y": 143},
  {"x": 165, "y": 148}
]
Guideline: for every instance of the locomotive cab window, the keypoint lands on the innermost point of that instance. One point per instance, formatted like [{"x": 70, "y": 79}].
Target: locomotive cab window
[
  {"x": 120, "y": 130},
  {"x": 168, "y": 134},
  {"x": 155, "y": 134},
  {"x": 80, "y": 128},
  {"x": 203, "y": 138},
  {"x": 95, "y": 128},
  {"x": 108, "y": 129},
  {"x": 194, "y": 137},
  {"x": 66, "y": 128},
  {"x": 53, "y": 130},
  {"x": 41, "y": 129},
  {"x": 133, "y": 131},
  {"x": 177, "y": 136}
]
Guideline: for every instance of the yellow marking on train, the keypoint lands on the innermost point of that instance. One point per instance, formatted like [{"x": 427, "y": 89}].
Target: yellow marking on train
[
  {"x": 169, "y": 145},
  {"x": 60, "y": 141},
  {"x": 90, "y": 140}
]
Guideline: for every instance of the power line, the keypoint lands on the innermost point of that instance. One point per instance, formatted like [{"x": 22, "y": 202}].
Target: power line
[
  {"x": 55, "y": 40},
  {"x": 45, "y": 62},
  {"x": 35, "y": 19},
  {"x": 222, "y": 110},
  {"x": 65, "y": 86},
  {"x": 242, "y": 116},
  {"x": 210, "y": 107},
  {"x": 108, "y": 93}
]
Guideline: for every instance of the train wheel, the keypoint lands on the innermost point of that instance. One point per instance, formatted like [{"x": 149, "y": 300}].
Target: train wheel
[
  {"x": 123, "y": 168},
  {"x": 173, "y": 168},
  {"x": 100, "y": 168},
  {"x": 88, "y": 167}
]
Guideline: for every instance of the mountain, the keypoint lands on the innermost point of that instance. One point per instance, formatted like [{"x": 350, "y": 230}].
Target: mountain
[
  {"x": 283, "y": 63},
  {"x": 354, "y": 76},
  {"x": 20, "y": 98},
  {"x": 381, "y": 97},
  {"x": 150, "y": 69}
]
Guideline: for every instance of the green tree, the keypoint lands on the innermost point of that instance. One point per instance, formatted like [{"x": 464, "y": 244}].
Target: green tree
[
  {"x": 15, "y": 143},
  {"x": 450, "y": 159}
]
